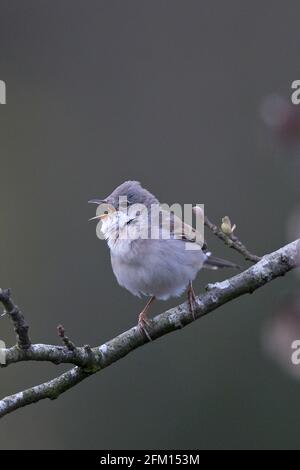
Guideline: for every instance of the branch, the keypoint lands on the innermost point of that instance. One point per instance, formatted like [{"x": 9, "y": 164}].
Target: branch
[
  {"x": 20, "y": 326},
  {"x": 88, "y": 360},
  {"x": 231, "y": 240},
  {"x": 67, "y": 342}
]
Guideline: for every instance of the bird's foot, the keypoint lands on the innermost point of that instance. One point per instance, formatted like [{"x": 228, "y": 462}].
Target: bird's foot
[
  {"x": 143, "y": 323},
  {"x": 192, "y": 300}
]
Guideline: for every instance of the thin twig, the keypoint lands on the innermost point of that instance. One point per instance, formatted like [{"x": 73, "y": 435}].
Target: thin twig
[
  {"x": 67, "y": 342},
  {"x": 20, "y": 326},
  {"x": 232, "y": 241}
]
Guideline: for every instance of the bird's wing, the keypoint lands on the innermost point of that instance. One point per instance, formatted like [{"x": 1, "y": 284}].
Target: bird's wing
[{"x": 179, "y": 230}]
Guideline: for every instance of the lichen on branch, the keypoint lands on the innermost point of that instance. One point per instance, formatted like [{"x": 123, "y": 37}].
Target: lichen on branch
[{"x": 88, "y": 361}]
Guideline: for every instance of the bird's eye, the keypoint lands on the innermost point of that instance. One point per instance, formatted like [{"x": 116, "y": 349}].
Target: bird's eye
[{"x": 106, "y": 212}]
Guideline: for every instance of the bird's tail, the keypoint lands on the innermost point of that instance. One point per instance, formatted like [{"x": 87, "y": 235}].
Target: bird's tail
[{"x": 212, "y": 262}]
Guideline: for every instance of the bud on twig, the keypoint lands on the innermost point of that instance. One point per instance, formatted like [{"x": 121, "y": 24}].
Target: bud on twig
[{"x": 226, "y": 226}]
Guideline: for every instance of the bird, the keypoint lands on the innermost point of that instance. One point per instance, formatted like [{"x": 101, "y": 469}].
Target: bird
[{"x": 157, "y": 267}]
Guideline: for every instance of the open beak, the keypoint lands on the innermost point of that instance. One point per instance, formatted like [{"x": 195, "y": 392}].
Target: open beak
[
  {"x": 97, "y": 201},
  {"x": 99, "y": 217}
]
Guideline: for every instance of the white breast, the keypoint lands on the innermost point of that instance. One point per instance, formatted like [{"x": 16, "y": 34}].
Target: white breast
[{"x": 160, "y": 268}]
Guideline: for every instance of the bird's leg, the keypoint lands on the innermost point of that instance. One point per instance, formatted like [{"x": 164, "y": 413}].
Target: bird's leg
[
  {"x": 191, "y": 299},
  {"x": 143, "y": 319}
]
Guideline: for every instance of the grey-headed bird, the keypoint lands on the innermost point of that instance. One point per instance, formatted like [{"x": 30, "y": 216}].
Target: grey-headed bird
[{"x": 158, "y": 267}]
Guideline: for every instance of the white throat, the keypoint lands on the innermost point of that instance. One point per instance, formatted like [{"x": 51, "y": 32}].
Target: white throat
[{"x": 114, "y": 227}]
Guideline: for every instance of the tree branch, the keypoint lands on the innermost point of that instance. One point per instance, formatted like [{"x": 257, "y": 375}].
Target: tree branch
[
  {"x": 231, "y": 240},
  {"x": 20, "y": 326},
  {"x": 90, "y": 360}
]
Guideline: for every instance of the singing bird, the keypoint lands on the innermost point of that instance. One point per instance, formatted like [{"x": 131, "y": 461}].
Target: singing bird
[{"x": 158, "y": 267}]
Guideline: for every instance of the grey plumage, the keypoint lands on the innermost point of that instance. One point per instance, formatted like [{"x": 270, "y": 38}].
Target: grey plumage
[
  {"x": 134, "y": 193},
  {"x": 159, "y": 268},
  {"x": 213, "y": 262}
]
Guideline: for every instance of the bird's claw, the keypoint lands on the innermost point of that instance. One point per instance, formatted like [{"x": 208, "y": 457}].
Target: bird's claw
[
  {"x": 142, "y": 323},
  {"x": 192, "y": 309},
  {"x": 192, "y": 302}
]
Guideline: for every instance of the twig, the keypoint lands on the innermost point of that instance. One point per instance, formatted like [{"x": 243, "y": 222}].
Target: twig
[
  {"x": 90, "y": 361},
  {"x": 67, "y": 342},
  {"x": 20, "y": 326},
  {"x": 51, "y": 389},
  {"x": 232, "y": 241}
]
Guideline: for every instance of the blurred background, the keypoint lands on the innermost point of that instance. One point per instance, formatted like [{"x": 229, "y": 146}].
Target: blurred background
[{"x": 192, "y": 98}]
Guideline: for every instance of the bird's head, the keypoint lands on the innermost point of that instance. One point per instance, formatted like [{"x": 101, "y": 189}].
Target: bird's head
[
  {"x": 126, "y": 195},
  {"x": 126, "y": 203}
]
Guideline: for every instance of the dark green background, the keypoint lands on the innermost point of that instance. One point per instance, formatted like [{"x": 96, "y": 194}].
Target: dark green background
[{"x": 166, "y": 92}]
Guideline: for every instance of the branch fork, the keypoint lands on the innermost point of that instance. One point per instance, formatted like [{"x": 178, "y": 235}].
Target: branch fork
[{"x": 88, "y": 361}]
